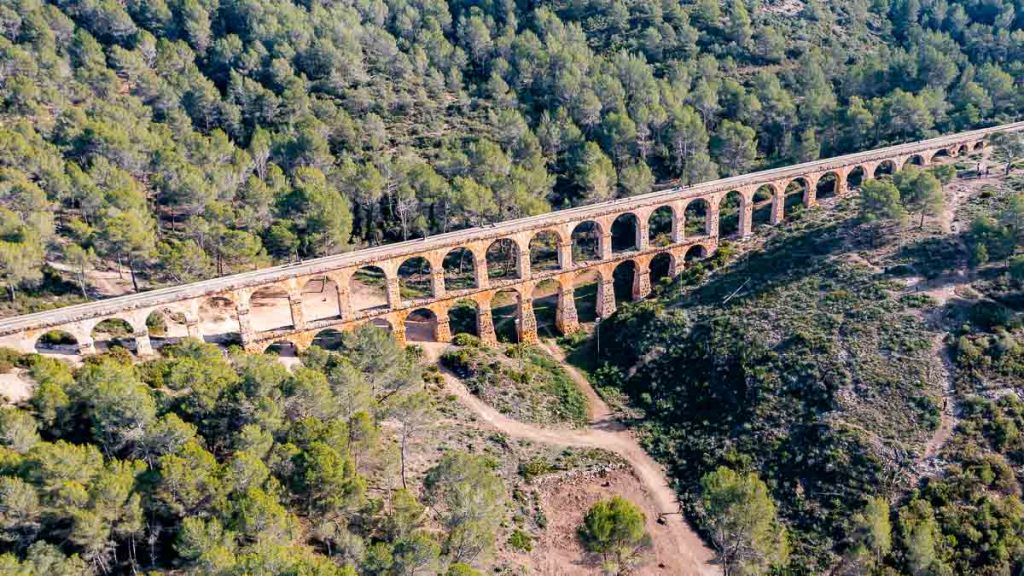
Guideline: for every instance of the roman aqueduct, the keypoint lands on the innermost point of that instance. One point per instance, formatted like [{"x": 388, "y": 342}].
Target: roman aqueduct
[{"x": 656, "y": 233}]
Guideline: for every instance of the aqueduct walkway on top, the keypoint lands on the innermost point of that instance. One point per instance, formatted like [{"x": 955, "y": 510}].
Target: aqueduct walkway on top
[{"x": 230, "y": 298}]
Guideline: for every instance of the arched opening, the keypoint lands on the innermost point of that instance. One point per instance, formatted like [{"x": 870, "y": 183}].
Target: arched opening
[
  {"x": 113, "y": 333},
  {"x": 827, "y": 186},
  {"x": 505, "y": 314},
  {"x": 57, "y": 342},
  {"x": 586, "y": 242},
  {"x": 459, "y": 273},
  {"x": 695, "y": 253},
  {"x": 329, "y": 339},
  {"x": 320, "y": 299},
  {"x": 462, "y": 317},
  {"x": 546, "y": 295},
  {"x": 623, "y": 277},
  {"x": 795, "y": 192},
  {"x": 414, "y": 279},
  {"x": 269, "y": 309},
  {"x": 729, "y": 212},
  {"x": 544, "y": 251},
  {"x": 624, "y": 233},
  {"x": 855, "y": 178},
  {"x": 421, "y": 326},
  {"x": 585, "y": 286},
  {"x": 368, "y": 289},
  {"x": 885, "y": 168},
  {"x": 661, "y": 270},
  {"x": 963, "y": 150},
  {"x": 166, "y": 326},
  {"x": 659, "y": 227},
  {"x": 916, "y": 160},
  {"x": 764, "y": 196},
  {"x": 282, "y": 348},
  {"x": 940, "y": 156},
  {"x": 503, "y": 260},
  {"x": 695, "y": 218},
  {"x": 381, "y": 323},
  {"x": 979, "y": 146},
  {"x": 218, "y": 321}
]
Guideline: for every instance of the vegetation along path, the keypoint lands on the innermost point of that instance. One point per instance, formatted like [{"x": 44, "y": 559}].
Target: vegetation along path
[{"x": 694, "y": 557}]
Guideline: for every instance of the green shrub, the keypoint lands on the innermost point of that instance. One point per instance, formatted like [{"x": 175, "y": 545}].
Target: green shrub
[{"x": 520, "y": 540}]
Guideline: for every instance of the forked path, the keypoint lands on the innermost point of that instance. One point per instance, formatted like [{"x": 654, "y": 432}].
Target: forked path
[{"x": 604, "y": 433}]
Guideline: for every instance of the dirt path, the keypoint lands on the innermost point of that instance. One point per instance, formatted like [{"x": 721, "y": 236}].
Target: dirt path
[{"x": 693, "y": 556}]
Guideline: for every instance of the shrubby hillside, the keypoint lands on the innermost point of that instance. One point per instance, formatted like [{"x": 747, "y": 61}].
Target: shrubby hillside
[{"x": 182, "y": 139}]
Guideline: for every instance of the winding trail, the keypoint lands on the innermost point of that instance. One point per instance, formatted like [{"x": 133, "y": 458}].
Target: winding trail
[{"x": 605, "y": 433}]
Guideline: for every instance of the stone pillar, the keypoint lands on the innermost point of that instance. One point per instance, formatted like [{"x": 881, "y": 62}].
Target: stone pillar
[
  {"x": 143, "y": 346},
  {"x": 811, "y": 193},
  {"x": 393, "y": 291},
  {"x": 523, "y": 264},
  {"x": 344, "y": 298},
  {"x": 86, "y": 346},
  {"x": 677, "y": 264},
  {"x": 841, "y": 183},
  {"x": 605, "y": 246},
  {"x": 485, "y": 325},
  {"x": 398, "y": 331},
  {"x": 641, "y": 281},
  {"x": 194, "y": 328},
  {"x": 606, "y": 298},
  {"x": 483, "y": 281},
  {"x": 566, "y": 319},
  {"x": 747, "y": 217},
  {"x": 443, "y": 330},
  {"x": 642, "y": 237},
  {"x": 295, "y": 303},
  {"x": 778, "y": 207},
  {"x": 527, "y": 322},
  {"x": 244, "y": 324},
  {"x": 437, "y": 283},
  {"x": 711, "y": 222},
  {"x": 678, "y": 226},
  {"x": 565, "y": 255}
]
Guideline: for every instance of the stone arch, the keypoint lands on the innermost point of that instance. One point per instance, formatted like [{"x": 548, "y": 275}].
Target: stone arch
[
  {"x": 463, "y": 317},
  {"x": 586, "y": 242},
  {"x": 697, "y": 218},
  {"x": 320, "y": 299},
  {"x": 963, "y": 150},
  {"x": 763, "y": 200},
  {"x": 503, "y": 259},
  {"x": 624, "y": 278},
  {"x": 381, "y": 322},
  {"x": 916, "y": 160},
  {"x": 166, "y": 326},
  {"x": 368, "y": 289},
  {"x": 661, "y": 268},
  {"x": 660, "y": 226},
  {"x": 979, "y": 145},
  {"x": 730, "y": 213},
  {"x": 421, "y": 326},
  {"x": 626, "y": 230},
  {"x": 885, "y": 168},
  {"x": 111, "y": 333},
  {"x": 218, "y": 320},
  {"x": 414, "y": 279},
  {"x": 547, "y": 298},
  {"x": 57, "y": 342},
  {"x": 855, "y": 178},
  {"x": 695, "y": 253},
  {"x": 585, "y": 286},
  {"x": 459, "y": 269},
  {"x": 506, "y": 313},
  {"x": 827, "y": 186},
  {"x": 544, "y": 251},
  {"x": 796, "y": 196},
  {"x": 270, "y": 308},
  {"x": 329, "y": 339},
  {"x": 940, "y": 155},
  {"x": 282, "y": 348}
]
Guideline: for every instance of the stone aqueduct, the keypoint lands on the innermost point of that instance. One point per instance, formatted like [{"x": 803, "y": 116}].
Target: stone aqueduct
[{"x": 186, "y": 302}]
